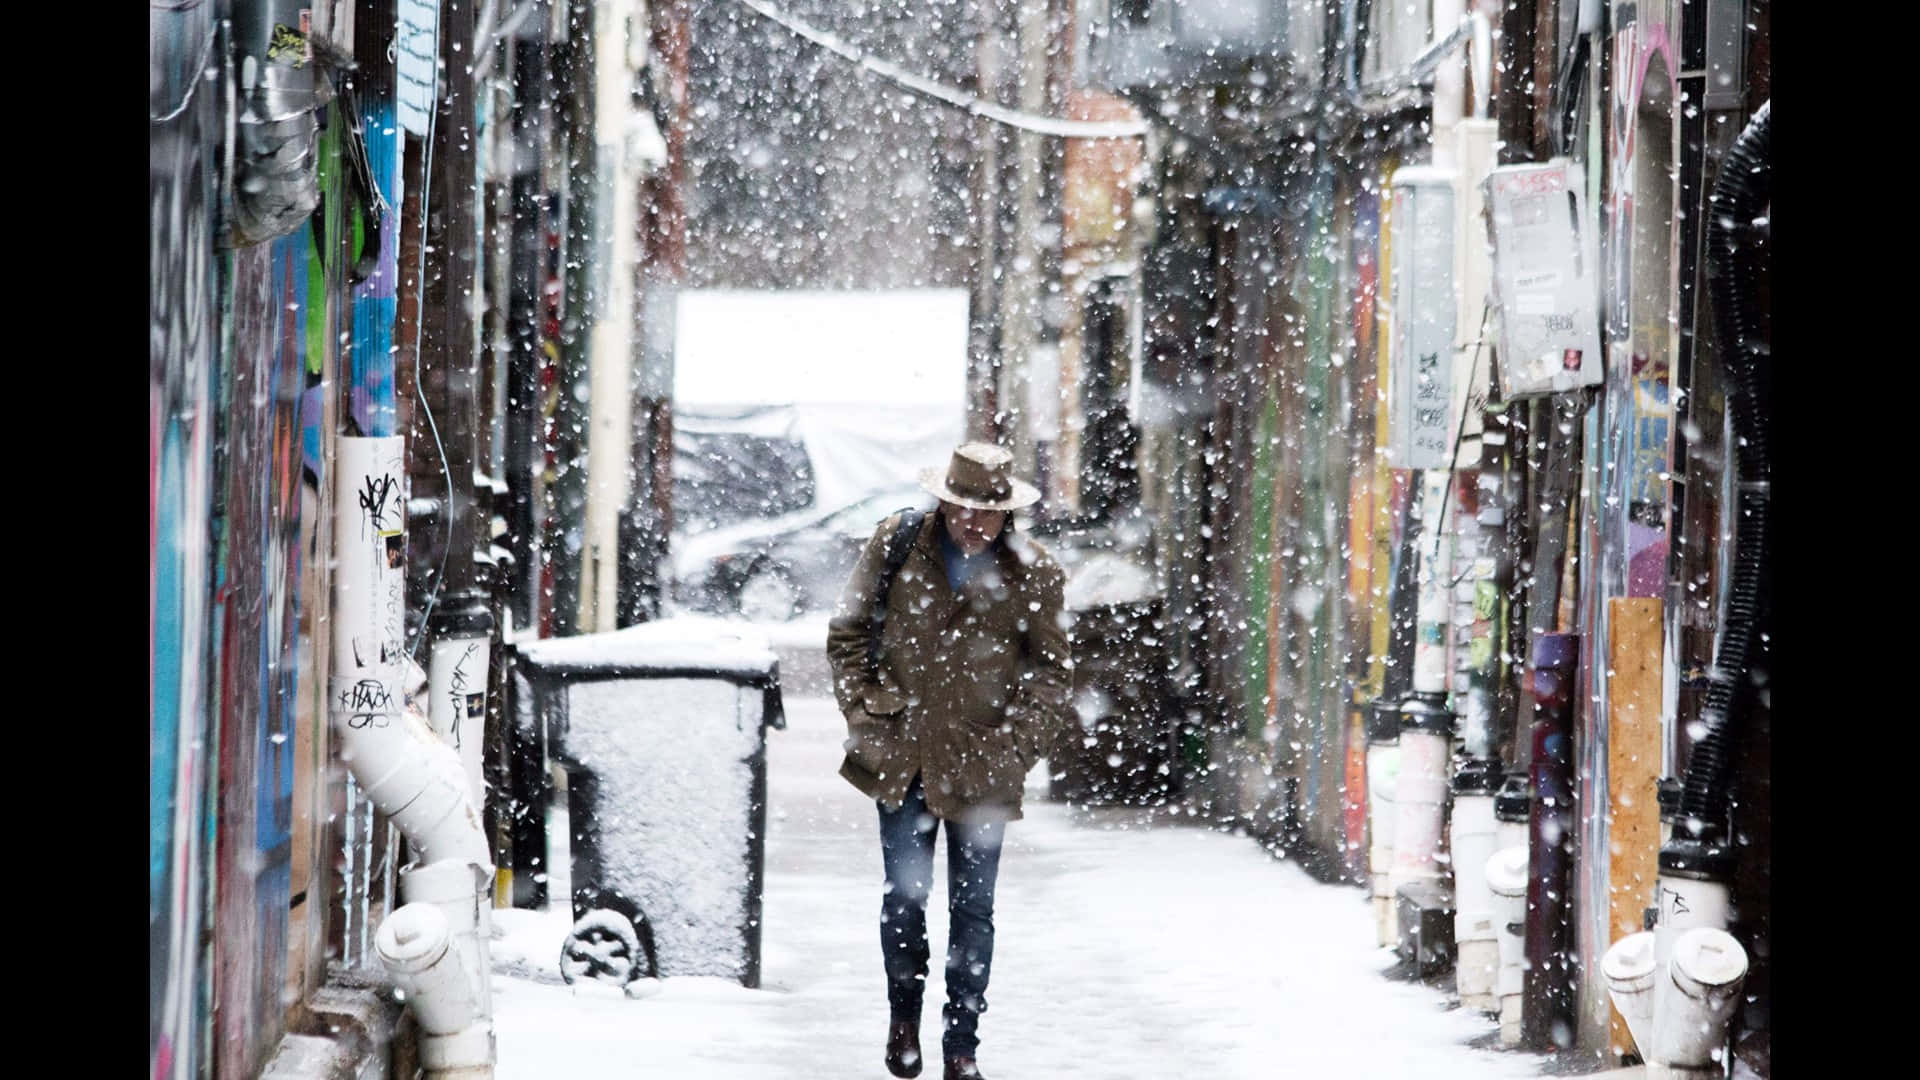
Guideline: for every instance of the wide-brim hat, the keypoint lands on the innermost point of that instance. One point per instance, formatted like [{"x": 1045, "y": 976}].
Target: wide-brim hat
[{"x": 980, "y": 476}]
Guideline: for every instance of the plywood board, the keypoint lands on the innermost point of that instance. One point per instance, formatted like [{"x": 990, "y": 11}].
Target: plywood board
[{"x": 1633, "y": 767}]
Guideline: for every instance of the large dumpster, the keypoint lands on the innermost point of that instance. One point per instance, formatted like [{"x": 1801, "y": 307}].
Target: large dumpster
[{"x": 661, "y": 729}]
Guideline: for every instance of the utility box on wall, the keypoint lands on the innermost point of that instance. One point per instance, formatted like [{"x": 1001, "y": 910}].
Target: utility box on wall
[
  {"x": 1546, "y": 279},
  {"x": 1421, "y": 357}
]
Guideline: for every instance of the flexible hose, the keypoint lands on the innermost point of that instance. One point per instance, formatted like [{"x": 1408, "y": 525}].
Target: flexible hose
[{"x": 1733, "y": 268}]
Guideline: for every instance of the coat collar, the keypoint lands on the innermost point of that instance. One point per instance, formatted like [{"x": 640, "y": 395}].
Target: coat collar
[{"x": 951, "y": 602}]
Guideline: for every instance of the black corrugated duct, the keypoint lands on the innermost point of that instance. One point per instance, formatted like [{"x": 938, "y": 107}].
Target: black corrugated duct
[{"x": 1735, "y": 260}]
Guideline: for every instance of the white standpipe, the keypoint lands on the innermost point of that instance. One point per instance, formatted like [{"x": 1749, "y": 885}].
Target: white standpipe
[
  {"x": 1629, "y": 970},
  {"x": 1688, "y": 904},
  {"x": 457, "y": 701},
  {"x": 1704, "y": 976},
  {"x": 1476, "y": 944},
  {"x": 1420, "y": 807},
  {"x": 424, "y": 956},
  {"x": 1679, "y": 986},
  {"x": 410, "y": 775},
  {"x": 1507, "y": 880},
  {"x": 1383, "y": 769}
]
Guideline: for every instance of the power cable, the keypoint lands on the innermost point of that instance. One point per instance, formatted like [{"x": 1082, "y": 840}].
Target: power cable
[
  {"x": 1459, "y": 436},
  {"x": 947, "y": 95},
  {"x": 420, "y": 330}
]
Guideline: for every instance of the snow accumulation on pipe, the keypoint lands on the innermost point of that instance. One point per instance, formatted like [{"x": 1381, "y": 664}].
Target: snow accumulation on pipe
[{"x": 415, "y": 945}]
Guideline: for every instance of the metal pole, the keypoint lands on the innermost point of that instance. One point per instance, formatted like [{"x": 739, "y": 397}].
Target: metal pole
[
  {"x": 1547, "y": 1019},
  {"x": 449, "y": 346},
  {"x": 525, "y": 273},
  {"x": 983, "y": 392}
]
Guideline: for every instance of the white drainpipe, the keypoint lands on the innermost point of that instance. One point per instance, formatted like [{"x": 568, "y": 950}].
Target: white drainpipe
[
  {"x": 1630, "y": 970},
  {"x": 1426, "y": 741},
  {"x": 412, "y": 776},
  {"x": 1696, "y": 1002},
  {"x": 1476, "y": 942},
  {"x": 1383, "y": 769},
  {"x": 457, "y": 699},
  {"x": 1507, "y": 879},
  {"x": 423, "y": 954},
  {"x": 1420, "y": 807},
  {"x": 1679, "y": 986},
  {"x": 1690, "y": 902}
]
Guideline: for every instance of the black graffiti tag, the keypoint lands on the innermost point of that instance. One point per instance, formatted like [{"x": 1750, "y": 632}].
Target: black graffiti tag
[
  {"x": 457, "y": 688},
  {"x": 367, "y": 702},
  {"x": 373, "y": 501}
]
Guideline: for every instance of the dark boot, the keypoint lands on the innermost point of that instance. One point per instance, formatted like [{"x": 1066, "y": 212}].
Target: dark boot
[
  {"x": 903, "y": 1048},
  {"x": 962, "y": 1069}
]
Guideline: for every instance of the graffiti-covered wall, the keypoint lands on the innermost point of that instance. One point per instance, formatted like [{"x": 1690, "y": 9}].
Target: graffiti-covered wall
[
  {"x": 257, "y": 602},
  {"x": 181, "y": 188}
]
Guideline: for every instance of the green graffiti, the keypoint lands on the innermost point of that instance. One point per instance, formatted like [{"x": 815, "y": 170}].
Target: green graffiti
[{"x": 287, "y": 42}]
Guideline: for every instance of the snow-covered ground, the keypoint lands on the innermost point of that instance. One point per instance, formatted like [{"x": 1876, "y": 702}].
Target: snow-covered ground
[{"x": 1123, "y": 950}]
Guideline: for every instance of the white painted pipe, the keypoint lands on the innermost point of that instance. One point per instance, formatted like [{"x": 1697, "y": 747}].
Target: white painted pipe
[
  {"x": 1685, "y": 904},
  {"x": 1508, "y": 834},
  {"x": 419, "y": 782},
  {"x": 1507, "y": 880},
  {"x": 1629, "y": 970},
  {"x": 1704, "y": 975},
  {"x": 1480, "y": 57},
  {"x": 1449, "y": 82},
  {"x": 457, "y": 703},
  {"x": 416, "y": 945},
  {"x": 1477, "y": 947},
  {"x": 1383, "y": 768},
  {"x": 1420, "y": 801},
  {"x": 460, "y": 890},
  {"x": 1430, "y": 642}
]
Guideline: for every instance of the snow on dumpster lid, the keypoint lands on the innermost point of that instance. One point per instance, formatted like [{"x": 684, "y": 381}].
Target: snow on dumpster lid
[{"x": 681, "y": 644}]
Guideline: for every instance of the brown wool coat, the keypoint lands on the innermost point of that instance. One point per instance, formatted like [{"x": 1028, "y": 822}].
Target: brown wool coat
[{"x": 972, "y": 686}]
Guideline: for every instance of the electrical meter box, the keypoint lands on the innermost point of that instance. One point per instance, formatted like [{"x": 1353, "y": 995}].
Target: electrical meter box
[
  {"x": 1421, "y": 347},
  {"x": 1546, "y": 279}
]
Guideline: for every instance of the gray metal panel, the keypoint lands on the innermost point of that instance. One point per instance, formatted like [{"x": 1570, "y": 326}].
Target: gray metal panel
[{"x": 1726, "y": 54}]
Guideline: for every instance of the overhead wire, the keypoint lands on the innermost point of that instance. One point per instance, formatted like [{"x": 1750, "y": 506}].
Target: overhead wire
[{"x": 948, "y": 95}]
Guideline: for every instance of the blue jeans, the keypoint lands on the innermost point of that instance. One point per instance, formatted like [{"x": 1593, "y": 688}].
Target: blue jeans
[{"x": 973, "y": 864}]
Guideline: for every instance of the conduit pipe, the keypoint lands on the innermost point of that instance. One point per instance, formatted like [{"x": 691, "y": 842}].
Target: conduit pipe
[
  {"x": 1426, "y": 731},
  {"x": 1383, "y": 769},
  {"x": 1383, "y": 724},
  {"x": 1507, "y": 881},
  {"x": 1420, "y": 793},
  {"x": 1476, "y": 943}
]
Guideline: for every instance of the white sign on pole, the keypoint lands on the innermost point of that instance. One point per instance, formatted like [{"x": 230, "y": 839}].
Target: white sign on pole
[
  {"x": 1421, "y": 374},
  {"x": 1546, "y": 279},
  {"x": 416, "y": 62}
]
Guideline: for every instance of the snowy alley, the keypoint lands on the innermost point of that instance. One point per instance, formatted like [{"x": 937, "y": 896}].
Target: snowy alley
[
  {"x": 620, "y": 470},
  {"x": 1123, "y": 950}
]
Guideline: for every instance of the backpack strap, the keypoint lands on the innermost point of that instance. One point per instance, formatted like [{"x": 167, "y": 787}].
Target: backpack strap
[{"x": 898, "y": 545}]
